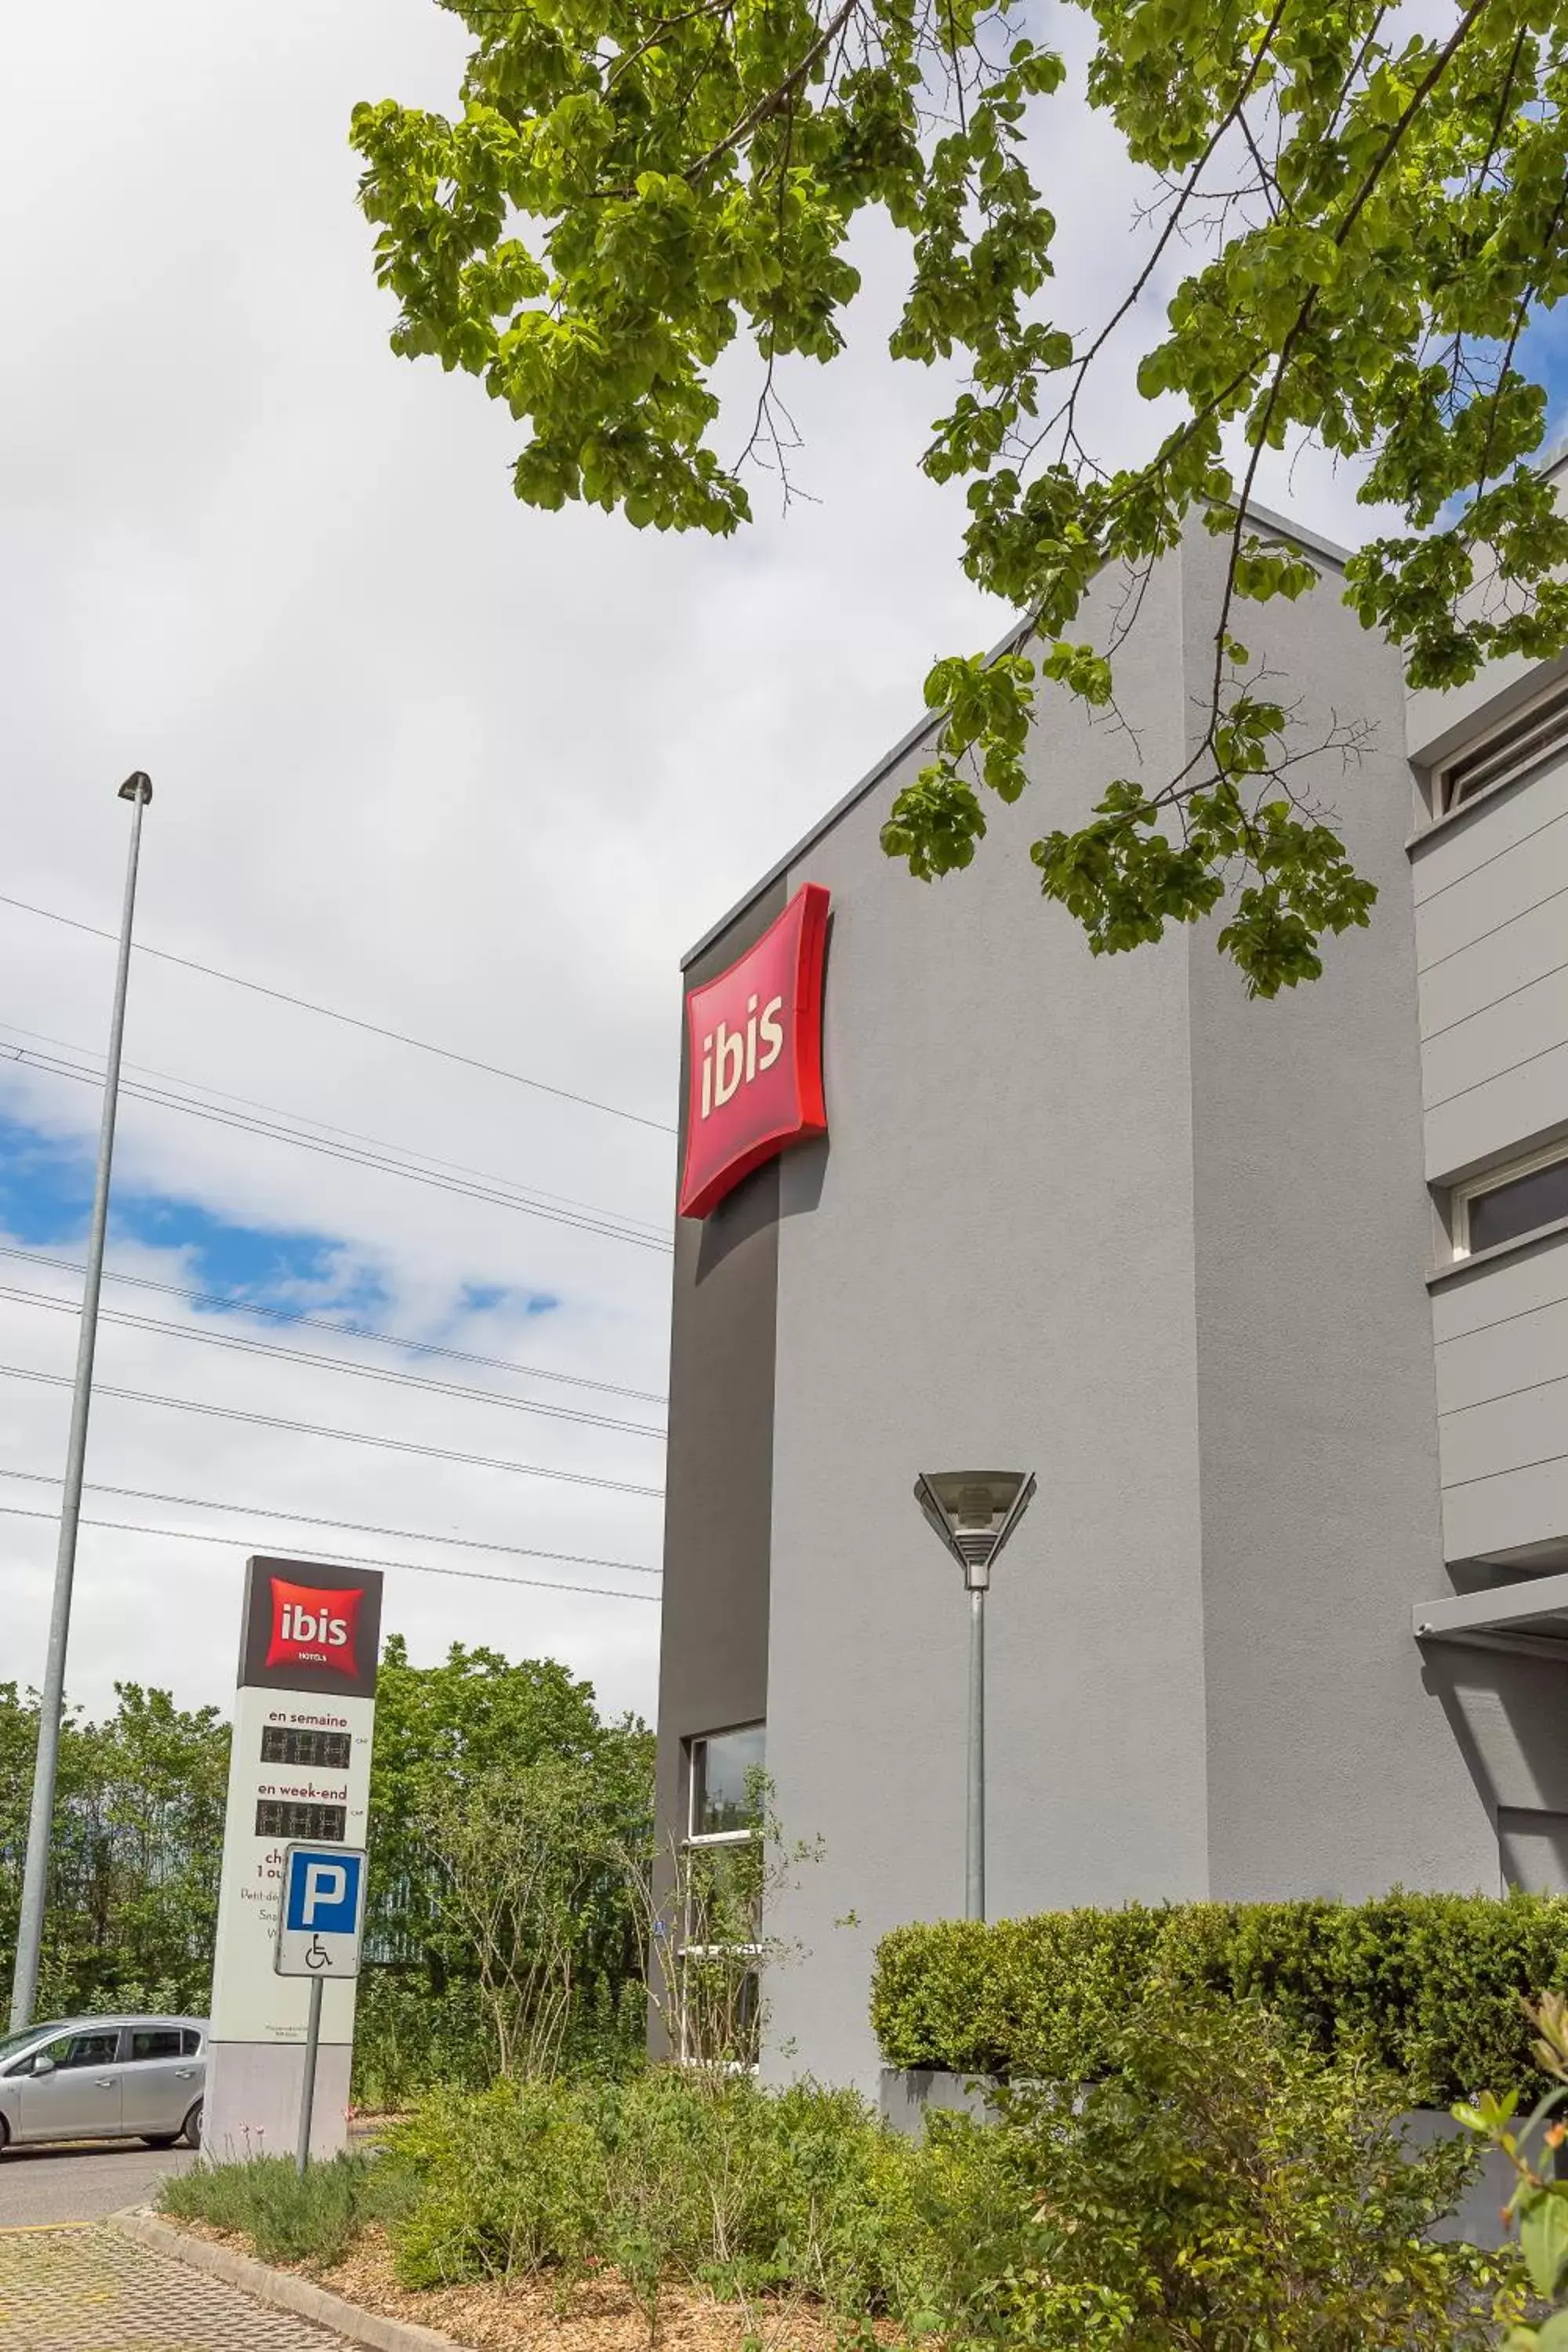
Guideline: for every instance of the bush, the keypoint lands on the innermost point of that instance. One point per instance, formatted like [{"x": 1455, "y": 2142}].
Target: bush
[
  {"x": 704, "y": 2177},
  {"x": 289, "y": 2219},
  {"x": 1429, "y": 1987},
  {"x": 507, "y": 2182},
  {"x": 1221, "y": 2185}
]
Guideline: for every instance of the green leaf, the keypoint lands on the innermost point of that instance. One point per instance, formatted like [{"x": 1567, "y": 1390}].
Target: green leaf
[{"x": 1543, "y": 2237}]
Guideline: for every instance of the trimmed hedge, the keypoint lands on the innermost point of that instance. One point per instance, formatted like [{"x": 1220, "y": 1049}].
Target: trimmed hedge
[{"x": 1430, "y": 1986}]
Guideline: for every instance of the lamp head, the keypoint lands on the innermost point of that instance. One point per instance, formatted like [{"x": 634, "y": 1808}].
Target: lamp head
[
  {"x": 138, "y": 786},
  {"x": 974, "y": 1512}
]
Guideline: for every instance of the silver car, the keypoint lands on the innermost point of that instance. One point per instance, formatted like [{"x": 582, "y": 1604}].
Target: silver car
[{"x": 105, "y": 2078}]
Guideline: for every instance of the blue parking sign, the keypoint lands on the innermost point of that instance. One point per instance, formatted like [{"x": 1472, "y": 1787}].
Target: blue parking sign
[{"x": 319, "y": 1913}]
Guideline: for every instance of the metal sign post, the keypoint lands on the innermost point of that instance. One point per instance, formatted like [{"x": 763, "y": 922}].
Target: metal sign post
[{"x": 320, "y": 1917}]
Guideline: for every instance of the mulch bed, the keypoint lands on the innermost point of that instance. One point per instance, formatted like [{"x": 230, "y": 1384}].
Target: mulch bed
[{"x": 596, "y": 2315}]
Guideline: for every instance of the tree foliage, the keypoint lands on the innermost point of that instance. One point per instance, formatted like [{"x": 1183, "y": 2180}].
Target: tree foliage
[
  {"x": 454, "y": 1734},
  {"x": 138, "y": 1833},
  {"x": 469, "y": 1745},
  {"x": 1369, "y": 214}
]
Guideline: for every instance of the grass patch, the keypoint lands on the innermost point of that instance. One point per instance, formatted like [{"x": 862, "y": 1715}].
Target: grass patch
[{"x": 315, "y": 2221}]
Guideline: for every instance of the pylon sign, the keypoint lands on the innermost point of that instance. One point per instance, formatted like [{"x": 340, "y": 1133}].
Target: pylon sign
[{"x": 304, "y": 1722}]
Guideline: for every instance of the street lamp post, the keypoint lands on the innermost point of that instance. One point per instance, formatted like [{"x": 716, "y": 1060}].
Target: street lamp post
[
  {"x": 137, "y": 789},
  {"x": 974, "y": 1512}
]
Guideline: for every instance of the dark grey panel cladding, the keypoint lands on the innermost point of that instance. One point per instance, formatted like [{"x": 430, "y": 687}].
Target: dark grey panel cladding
[{"x": 713, "y": 1659}]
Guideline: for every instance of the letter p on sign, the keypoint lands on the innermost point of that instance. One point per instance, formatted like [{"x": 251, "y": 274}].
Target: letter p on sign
[{"x": 326, "y": 1884}]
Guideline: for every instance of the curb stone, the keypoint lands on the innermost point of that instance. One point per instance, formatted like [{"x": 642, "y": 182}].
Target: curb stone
[{"x": 282, "y": 2289}]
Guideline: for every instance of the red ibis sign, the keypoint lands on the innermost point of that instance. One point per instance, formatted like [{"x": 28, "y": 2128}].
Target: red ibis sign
[{"x": 754, "y": 1056}]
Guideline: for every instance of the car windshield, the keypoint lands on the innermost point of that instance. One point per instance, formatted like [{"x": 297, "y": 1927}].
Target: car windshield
[{"x": 11, "y": 2043}]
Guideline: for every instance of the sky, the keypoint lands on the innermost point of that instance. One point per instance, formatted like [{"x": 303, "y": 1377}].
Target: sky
[{"x": 464, "y": 770}]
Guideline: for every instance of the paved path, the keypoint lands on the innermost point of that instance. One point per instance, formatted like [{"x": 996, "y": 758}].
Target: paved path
[
  {"x": 82, "y": 2182},
  {"x": 85, "y": 2288}
]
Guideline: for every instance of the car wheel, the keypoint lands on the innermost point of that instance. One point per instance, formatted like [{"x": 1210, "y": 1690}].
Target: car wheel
[
  {"x": 5, "y": 2133},
  {"x": 190, "y": 2130},
  {"x": 158, "y": 2140}
]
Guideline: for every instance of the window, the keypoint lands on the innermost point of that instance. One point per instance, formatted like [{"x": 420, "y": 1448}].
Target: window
[
  {"x": 98, "y": 2049},
  {"x": 725, "y": 1768},
  {"x": 723, "y": 1867},
  {"x": 1507, "y": 1203},
  {"x": 190, "y": 2042},
  {"x": 720, "y": 2008},
  {"x": 1525, "y": 742},
  {"x": 11, "y": 2043},
  {"x": 157, "y": 2042}
]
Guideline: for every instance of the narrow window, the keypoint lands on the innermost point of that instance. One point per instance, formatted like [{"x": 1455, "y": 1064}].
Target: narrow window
[
  {"x": 723, "y": 1866},
  {"x": 1528, "y": 740},
  {"x": 1510, "y": 1203}
]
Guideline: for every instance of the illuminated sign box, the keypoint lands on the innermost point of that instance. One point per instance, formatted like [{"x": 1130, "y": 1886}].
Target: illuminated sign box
[{"x": 754, "y": 1056}]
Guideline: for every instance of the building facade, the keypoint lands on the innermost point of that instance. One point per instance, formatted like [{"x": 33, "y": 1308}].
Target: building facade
[{"x": 1272, "y": 1298}]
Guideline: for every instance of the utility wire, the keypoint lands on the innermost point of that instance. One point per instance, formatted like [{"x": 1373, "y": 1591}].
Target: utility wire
[
  {"x": 348, "y": 1559},
  {"x": 350, "y": 1020},
  {"x": 344, "y": 1526},
  {"x": 226, "y": 1303},
  {"x": 586, "y": 1221},
  {"x": 319, "y": 1429},
  {"x": 531, "y": 1193},
  {"x": 332, "y": 1364}
]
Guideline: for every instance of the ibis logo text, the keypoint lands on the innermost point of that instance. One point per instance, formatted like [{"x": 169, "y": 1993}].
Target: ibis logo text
[
  {"x": 754, "y": 1056},
  {"x": 313, "y": 1628},
  {"x": 732, "y": 1060}
]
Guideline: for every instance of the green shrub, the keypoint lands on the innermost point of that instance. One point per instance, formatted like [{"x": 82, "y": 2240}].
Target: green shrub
[
  {"x": 502, "y": 2183},
  {"x": 704, "y": 2177},
  {"x": 289, "y": 2219},
  {"x": 1222, "y": 2185},
  {"x": 1429, "y": 1987}
]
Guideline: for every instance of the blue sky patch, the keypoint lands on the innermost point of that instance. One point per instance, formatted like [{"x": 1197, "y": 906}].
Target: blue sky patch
[
  {"x": 261, "y": 1262},
  {"x": 45, "y": 1200}
]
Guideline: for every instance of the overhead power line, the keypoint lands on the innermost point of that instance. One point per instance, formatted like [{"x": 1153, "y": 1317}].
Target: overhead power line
[
  {"x": 532, "y": 1193},
  {"x": 343, "y": 1526},
  {"x": 350, "y": 1020},
  {"x": 271, "y": 1347},
  {"x": 587, "y": 1221},
  {"x": 226, "y": 1303},
  {"x": 319, "y": 1429},
  {"x": 349, "y": 1558}
]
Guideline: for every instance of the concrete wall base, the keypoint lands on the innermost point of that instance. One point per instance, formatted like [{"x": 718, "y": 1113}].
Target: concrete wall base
[{"x": 252, "y": 2105}]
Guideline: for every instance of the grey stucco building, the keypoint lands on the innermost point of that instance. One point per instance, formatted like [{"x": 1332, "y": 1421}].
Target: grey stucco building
[{"x": 1273, "y": 1298}]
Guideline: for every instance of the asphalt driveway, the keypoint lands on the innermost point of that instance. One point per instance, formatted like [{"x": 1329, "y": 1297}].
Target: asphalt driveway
[{"x": 82, "y": 2182}]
